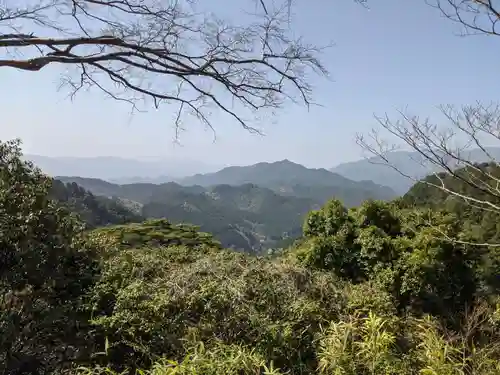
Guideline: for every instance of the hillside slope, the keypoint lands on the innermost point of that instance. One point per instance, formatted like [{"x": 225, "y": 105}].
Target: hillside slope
[
  {"x": 482, "y": 220},
  {"x": 246, "y": 217},
  {"x": 250, "y": 208},
  {"x": 95, "y": 211}
]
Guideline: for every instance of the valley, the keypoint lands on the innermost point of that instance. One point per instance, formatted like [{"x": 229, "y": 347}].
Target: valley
[{"x": 253, "y": 209}]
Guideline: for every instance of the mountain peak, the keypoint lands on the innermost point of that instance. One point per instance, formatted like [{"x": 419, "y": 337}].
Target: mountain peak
[
  {"x": 277, "y": 163},
  {"x": 285, "y": 176},
  {"x": 285, "y": 163},
  {"x": 288, "y": 162}
]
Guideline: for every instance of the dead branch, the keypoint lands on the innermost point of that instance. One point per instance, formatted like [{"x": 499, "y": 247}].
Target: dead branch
[
  {"x": 446, "y": 150},
  {"x": 164, "y": 51},
  {"x": 476, "y": 17}
]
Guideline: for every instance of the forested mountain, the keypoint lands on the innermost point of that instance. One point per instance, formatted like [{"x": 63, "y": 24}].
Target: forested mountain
[
  {"x": 284, "y": 177},
  {"x": 481, "y": 218},
  {"x": 478, "y": 182},
  {"x": 245, "y": 217},
  {"x": 288, "y": 178},
  {"x": 95, "y": 211},
  {"x": 410, "y": 163},
  {"x": 250, "y": 208}
]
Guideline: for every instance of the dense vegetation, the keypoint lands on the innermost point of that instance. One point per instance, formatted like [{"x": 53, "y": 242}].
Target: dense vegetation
[
  {"x": 95, "y": 211},
  {"x": 374, "y": 289},
  {"x": 246, "y": 217},
  {"x": 480, "y": 216}
]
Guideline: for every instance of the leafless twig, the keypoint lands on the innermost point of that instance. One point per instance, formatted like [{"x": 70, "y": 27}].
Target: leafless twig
[
  {"x": 476, "y": 17},
  {"x": 164, "y": 51},
  {"x": 445, "y": 150}
]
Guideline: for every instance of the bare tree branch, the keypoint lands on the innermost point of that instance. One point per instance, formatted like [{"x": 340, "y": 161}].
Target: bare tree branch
[
  {"x": 476, "y": 17},
  {"x": 445, "y": 151},
  {"x": 164, "y": 51}
]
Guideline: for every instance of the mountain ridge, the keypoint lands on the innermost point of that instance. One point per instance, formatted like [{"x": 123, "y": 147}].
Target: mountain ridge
[
  {"x": 249, "y": 208},
  {"x": 408, "y": 162},
  {"x": 246, "y": 217},
  {"x": 289, "y": 178}
]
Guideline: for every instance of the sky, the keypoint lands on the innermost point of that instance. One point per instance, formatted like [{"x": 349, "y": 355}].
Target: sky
[{"x": 395, "y": 54}]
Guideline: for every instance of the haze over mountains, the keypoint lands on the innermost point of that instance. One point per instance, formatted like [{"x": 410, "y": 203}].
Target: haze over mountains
[
  {"x": 251, "y": 208},
  {"x": 410, "y": 163},
  {"x": 121, "y": 170},
  {"x": 371, "y": 171}
]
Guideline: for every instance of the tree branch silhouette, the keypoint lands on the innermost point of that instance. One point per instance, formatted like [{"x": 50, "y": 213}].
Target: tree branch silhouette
[{"x": 164, "y": 51}]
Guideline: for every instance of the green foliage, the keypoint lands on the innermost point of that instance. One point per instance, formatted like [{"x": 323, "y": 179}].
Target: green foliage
[
  {"x": 94, "y": 211},
  {"x": 216, "y": 360},
  {"x": 360, "y": 346},
  {"x": 374, "y": 344},
  {"x": 327, "y": 221},
  {"x": 150, "y": 301},
  {"x": 357, "y": 344},
  {"x": 157, "y": 233},
  {"x": 45, "y": 269},
  {"x": 475, "y": 223},
  {"x": 482, "y": 224},
  {"x": 384, "y": 288},
  {"x": 402, "y": 250},
  {"x": 378, "y": 214}
]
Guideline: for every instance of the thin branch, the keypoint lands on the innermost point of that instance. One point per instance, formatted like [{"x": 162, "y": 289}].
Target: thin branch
[
  {"x": 142, "y": 50},
  {"x": 476, "y": 17},
  {"x": 444, "y": 151}
]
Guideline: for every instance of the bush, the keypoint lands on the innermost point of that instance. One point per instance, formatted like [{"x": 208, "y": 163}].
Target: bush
[
  {"x": 219, "y": 359},
  {"x": 150, "y": 300},
  {"x": 408, "y": 253},
  {"x": 157, "y": 233},
  {"x": 366, "y": 345},
  {"x": 46, "y": 267}
]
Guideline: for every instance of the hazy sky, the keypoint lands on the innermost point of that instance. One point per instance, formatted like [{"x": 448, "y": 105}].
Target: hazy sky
[{"x": 398, "y": 53}]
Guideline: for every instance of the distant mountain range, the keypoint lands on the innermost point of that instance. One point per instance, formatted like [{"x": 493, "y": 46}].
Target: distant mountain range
[
  {"x": 249, "y": 208},
  {"x": 292, "y": 179},
  {"x": 120, "y": 170},
  {"x": 410, "y": 163},
  {"x": 371, "y": 172},
  {"x": 283, "y": 177}
]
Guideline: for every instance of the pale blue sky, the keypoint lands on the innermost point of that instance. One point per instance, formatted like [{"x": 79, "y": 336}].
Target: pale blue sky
[{"x": 398, "y": 53}]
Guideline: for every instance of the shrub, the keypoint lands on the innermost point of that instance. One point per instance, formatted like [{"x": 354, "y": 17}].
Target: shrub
[
  {"x": 150, "y": 300},
  {"x": 157, "y": 233},
  {"x": 408, "y": 253},
  {"x": 46, "y": 267},
  {"x": 219, "y": 359}
]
